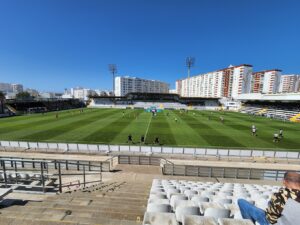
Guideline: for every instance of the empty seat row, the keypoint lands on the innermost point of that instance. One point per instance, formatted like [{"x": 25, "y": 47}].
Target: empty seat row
[{"x": 204, "y": 201}]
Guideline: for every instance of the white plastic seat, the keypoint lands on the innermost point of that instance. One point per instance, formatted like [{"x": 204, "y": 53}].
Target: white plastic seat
[
  {"x": 177, "y": 197},
  {"x": 223, "y": 201},
  {"x": 198, "y": 199},
  {"x": 198, "y": 220},
  {"x": 154, "y": 207},
  {"x": 190, "y": 193},
  {"x": 217, "y": 213},
  {"x": 159, "y": 219},
  {"x": 226, "y": 221},
  {"x": 204, "y": 205},
  {"x": 171, "y": 192},
  {"x": 157, "y": 196},
  {"x": 159, "y": 201},
  {"x": 157, "y": 190},
  {"x": 183, "y": 203},
  {"x": 186, "y": 210},
  {"x": 24, "y": 176}
]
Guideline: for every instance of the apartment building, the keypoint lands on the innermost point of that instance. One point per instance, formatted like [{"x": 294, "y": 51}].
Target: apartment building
[
  {"x": 289, "y": 83},
  {"x": 228, "y": 82},
  {"x": 265, "y": 82},
  {"x": 8, "y": 88},
  {"x": 126, "y": 84}
]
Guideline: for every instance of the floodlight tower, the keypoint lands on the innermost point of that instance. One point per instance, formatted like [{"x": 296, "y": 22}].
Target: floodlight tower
[
  {"x": 113, "y": 69},
  {"x": 190, "y": 62}
]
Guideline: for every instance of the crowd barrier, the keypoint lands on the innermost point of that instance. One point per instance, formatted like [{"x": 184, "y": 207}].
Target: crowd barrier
[{"x": 94, "y": 148}]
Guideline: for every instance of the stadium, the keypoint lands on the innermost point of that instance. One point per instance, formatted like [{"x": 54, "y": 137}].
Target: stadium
[
  {"x": 153, "y": 112},
  {"x": 187, "y": 161}
]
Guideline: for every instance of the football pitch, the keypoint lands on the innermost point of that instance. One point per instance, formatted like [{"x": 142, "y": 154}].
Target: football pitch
[{"x": 112, "y": 126}]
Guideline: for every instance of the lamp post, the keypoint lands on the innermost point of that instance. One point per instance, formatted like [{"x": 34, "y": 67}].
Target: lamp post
[
  {"x": 113, "y": 69},
  {"x": 190, "y": 62}
]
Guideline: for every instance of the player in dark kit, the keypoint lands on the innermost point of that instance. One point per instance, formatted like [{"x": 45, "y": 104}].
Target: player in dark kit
[
  {"x": 142, "y": 139},
  {"x": 156, "y": 141},
  {"x": 129, "y": 140}
]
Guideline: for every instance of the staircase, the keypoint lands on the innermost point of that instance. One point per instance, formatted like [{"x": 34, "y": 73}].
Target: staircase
[
  {"x": 11, "y": 109},
  {"x": 111, "y": 203}
]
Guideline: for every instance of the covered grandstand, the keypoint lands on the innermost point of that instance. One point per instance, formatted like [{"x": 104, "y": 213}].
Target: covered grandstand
[
  {"x": 146, "y": 100},
  {"x": 280, "y": 106},
  {"x": 21, "y": 106}
]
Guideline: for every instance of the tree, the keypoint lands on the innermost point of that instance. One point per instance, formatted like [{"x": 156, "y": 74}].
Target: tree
[
  {"x": 23, "y": 95},
  {"x": 2, "y": 100}
]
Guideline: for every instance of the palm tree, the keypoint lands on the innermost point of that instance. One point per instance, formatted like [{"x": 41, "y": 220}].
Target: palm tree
[{"x": 2, "y": 99}]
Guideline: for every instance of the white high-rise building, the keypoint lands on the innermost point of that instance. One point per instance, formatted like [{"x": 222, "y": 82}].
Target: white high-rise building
[
  {"x": 125, "y": 85},
  {"x": 5, "y": 87},
  {"x": 17, "y": 88},
  {"x": 271, "y": 81},
  {"x": 228, "y": 82},
  {"x": 81, "y": 93},
  {"x": 289, "y": 83},
  {"x": 14, "y": 88}
]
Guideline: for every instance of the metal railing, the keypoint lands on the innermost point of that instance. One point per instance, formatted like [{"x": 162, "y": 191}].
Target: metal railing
[
  {"x": 165, "y": 150},
  {"x": 223, "y": 172},
  {"x": 23, "y": 173}
]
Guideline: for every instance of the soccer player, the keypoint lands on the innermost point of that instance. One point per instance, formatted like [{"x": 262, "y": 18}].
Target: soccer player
[
  {"x": 129, "y": 140},
  {"x": 280, "y": 133},
  {"x": 142, "y": 139},
  {"x": 123, "y": 114},
  {"x": 254, "y": 131},
  {"x": 222, "y": 119},
  {"x": 276, "y": 138},
  {"x": 56, "y": 115},
  {"x": 176, "y": 120},
  {"x": 156, "y": 141}
]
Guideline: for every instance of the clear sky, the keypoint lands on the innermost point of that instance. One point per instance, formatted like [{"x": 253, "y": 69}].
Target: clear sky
[{"x": 55, "y": 44}]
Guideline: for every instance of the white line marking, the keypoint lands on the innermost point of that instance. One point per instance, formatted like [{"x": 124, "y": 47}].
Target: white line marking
[{"x": 148, "y": 127}]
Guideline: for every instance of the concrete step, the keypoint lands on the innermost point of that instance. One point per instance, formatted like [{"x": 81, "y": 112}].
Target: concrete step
[
  {"x": 58, "y": 213},
  {"x": 102, "y": 221},
  {"x": 16, "y": 221}
]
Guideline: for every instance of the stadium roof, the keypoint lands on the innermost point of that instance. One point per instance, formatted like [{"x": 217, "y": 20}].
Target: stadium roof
[{"x": 270, "y": 97}]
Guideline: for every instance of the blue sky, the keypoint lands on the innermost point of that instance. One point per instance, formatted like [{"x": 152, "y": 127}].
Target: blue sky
[{"x": 55, "y": 44}]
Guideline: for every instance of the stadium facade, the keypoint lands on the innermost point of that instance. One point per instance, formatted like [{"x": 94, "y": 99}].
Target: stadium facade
[{"x": 126, "y": 84}]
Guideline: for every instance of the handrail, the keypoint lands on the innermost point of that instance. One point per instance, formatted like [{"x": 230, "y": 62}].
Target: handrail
[{"x": 194, "y": 151}]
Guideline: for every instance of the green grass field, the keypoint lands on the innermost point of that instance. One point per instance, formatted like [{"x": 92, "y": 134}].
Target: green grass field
[{"x": 193, "y": 129}]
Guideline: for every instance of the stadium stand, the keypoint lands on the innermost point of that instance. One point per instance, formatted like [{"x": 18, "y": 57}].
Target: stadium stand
[
  {"x": 146, "y": 100},
  {"x": 42, "y": 105},
  {"x": 279, "y": 110},
  {"x": 191, "y": 202}
]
